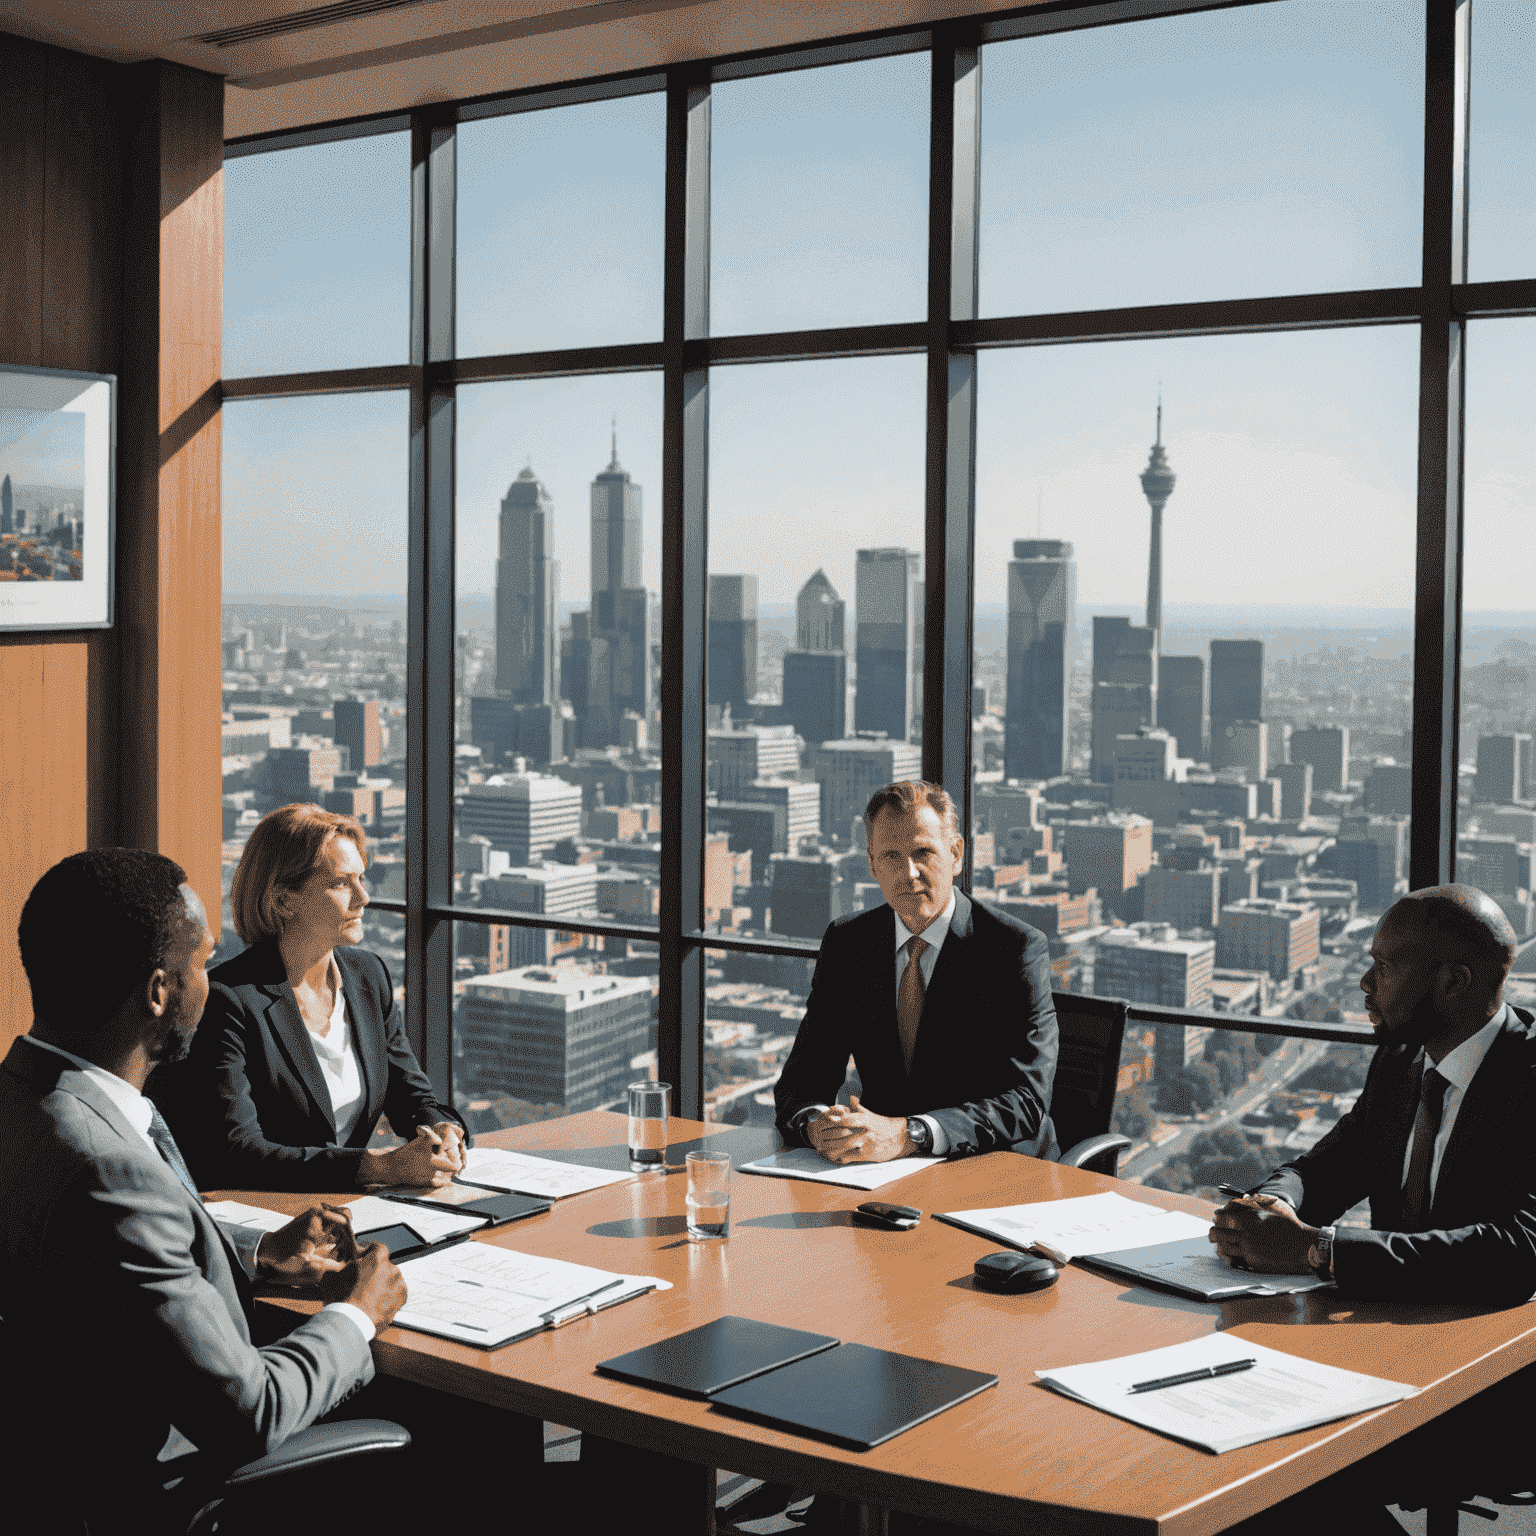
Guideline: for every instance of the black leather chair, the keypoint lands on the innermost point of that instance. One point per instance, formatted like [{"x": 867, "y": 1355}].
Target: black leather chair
[{"x": 1087, "y": 1067}]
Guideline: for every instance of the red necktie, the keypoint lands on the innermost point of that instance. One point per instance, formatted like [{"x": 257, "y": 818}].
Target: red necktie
[{"x": 909, "y": 1000}]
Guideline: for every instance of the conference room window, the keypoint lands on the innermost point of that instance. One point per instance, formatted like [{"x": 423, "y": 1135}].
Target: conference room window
[
  {"x": 314, "y": 629},
  {"x": 559, "y": 227},
  {"x": 317, "y": 256},
  {"x": 557, "y": 776},
  {"x": 1496, "y": 822},
  {"x": 1262, "y": 149},
  {"x": 818, "y": 193},
  {"x": 1502, "y": 236},
  {"x": 548, "y": 1022}
]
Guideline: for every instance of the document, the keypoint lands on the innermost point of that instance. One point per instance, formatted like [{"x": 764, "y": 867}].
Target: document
[
  {"x": 236, "y": 1214},
  {"x": 1068, "y": 1229},
  {"x": 520, "y": 1174},
  {"x": 1279, "y": 1395},
  {"x": 804, "y": 1163},
  {"x": 370, "y": 1212},
  {"x": 479, "y": 1294},
  {"x": 1193, "y": 1268}
]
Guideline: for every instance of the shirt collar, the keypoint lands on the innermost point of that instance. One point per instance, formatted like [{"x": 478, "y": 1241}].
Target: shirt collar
[
  {"x": 1460, "y": 1066},
  {"x": 936, "y": 931},
  {"x": 135, "y": 1108}
]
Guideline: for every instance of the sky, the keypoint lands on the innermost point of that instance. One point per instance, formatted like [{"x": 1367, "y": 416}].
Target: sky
[
  {"x": 43, "y": 448},
  {"x": 1267, "y": 149}
]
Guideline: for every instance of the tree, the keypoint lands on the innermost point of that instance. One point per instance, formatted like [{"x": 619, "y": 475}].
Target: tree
[
  {"x": 1267, "y": 1045},
  {"x": 1133, "y": 1115},
  {"x": 1188, "y": 1089}
]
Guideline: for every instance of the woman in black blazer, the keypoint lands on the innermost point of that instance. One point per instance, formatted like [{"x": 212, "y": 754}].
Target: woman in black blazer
[{"x": 301, "y": 1046}]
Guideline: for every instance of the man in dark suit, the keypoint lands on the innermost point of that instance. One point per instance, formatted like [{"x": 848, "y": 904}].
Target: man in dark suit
[
  {"x": 1440, "y": 1138},
  {"x": 944, "y": 1004},
  {"x": 127, "y": 1309}
]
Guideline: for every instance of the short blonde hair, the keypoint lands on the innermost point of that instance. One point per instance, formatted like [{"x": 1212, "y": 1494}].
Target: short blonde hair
[
  {"x": 906, "y": 797},
  {"x": 281, "y": 855}
]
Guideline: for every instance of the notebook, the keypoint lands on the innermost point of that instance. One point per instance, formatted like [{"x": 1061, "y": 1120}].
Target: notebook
[
  {"x": 853, "y": 1395},
  {"x": 721, "y": 1354}
]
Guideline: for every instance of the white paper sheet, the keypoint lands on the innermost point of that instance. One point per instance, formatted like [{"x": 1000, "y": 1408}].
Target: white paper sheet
[
  {"x": 246, "y": 1215},
  {"x": 370, "y": 1212},
  {"x": 1085, "y": 1224},
  {"x": 1192, "y": 1265},
  {"x": 483, "y": 1295},
  {"x": 1279, "y": 1395},
  {"x": 524, "y": 1175},
  {"x": 803, "y": 1163}
]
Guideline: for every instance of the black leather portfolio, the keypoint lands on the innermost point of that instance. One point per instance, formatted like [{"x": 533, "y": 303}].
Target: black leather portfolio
[
  {"x": 705, "y": 1360},
  {"x": 853, "y": 1395}
]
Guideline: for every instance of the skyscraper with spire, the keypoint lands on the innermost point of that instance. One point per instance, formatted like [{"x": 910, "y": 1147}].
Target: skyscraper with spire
[
  {"x": 815, "y": 691},
  {"x": 527, "y": 591},
  {"x": 1157, "y": 482}
]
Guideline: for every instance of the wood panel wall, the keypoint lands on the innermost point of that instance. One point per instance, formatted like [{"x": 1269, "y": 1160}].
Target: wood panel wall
[{"x": 111, "y": 263}]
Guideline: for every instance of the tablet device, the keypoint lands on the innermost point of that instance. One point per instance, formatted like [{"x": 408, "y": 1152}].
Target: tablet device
[{"x": 720, "y": 1354}]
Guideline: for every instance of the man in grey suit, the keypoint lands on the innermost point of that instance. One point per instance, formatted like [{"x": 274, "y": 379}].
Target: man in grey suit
[{"x": 127, "y": 1309}]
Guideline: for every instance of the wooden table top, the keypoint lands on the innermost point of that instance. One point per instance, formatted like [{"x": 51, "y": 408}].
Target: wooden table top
[{"x": 1017, "y": 1452}]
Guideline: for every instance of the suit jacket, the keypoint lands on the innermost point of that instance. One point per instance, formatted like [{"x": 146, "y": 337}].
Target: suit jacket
[
  {"x": 1481, "y": 1245},
  {"x": 126, "y": 1312},
  {"x": 986, "y": 1048},
  {"x": 249, "y": 1106}
]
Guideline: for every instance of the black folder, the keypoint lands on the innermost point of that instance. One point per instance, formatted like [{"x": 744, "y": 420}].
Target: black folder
[
  {"x": 721, "y": 1354},
  {"x": 853, "y": 1395}
]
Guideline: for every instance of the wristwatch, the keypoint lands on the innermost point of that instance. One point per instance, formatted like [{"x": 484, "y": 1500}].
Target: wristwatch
[
  {"x": 1321, "y": 1256},
  {"x": 920, "y": 1134}
]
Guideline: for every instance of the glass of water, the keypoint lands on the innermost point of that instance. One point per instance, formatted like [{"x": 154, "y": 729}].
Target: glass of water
[
  {"x": 709, "y": 1195},
  {"x": 649, "y": 1104}
]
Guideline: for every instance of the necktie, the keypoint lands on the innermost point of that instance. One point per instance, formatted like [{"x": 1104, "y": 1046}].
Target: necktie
[
  {"x": 1426, "y": 1126},
  {"x": 165, "y": 1143},
  {"x": 909, "y": 1000}
]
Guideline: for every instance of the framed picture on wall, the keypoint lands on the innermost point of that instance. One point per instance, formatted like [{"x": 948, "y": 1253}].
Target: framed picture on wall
[{"x": 58, "y": 449}]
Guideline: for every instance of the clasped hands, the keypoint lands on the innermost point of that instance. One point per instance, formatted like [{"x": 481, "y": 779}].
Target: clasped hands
[
  {"x": 857, "y": 1135},
  {"x": 316, "y": 1243},
  {"x": 428, "y": 1161},
  {"x": 1263, "y": 1233}
]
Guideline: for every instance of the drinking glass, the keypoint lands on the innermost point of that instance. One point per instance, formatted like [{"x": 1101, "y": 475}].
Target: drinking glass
[
  {"x": 709, "y": 1195},
  {"x": 648, "y": 1108}
]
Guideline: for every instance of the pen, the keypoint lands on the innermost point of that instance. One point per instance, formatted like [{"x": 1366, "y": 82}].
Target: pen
[
  {"x": 1207, "y": 1373},
  {"x": 577, "y": 1305}
]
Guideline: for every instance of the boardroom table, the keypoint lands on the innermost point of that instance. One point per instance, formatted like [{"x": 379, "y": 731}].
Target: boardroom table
[{"x": 1015, "y": 1457}]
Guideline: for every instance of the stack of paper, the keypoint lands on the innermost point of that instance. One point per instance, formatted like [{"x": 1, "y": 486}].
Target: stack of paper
[
  {"x": 1278, "y": 1395},
  {"x": 520, "y": 1174},
  {"x": 803, "y": 1163},
  {"x": 1087, "y": 1224},
  {"x": 236, "y": 1214},
  {"x": 371, "y": 1212}
]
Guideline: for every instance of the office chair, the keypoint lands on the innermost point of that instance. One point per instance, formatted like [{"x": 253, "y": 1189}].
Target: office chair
[{"x": 1090, "y": 1030}]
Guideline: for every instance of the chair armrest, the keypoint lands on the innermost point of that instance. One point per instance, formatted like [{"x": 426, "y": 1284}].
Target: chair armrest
[
  {"x": 1098, "y": 1154},
  {"x": 319, "y": 1445}
]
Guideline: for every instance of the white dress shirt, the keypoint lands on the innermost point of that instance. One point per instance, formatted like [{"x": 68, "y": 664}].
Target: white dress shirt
[
  {"x": 339, "y": 1066},
  {"x": 138, "y": 1111},
  {"x": 1458, "y": 1068}
]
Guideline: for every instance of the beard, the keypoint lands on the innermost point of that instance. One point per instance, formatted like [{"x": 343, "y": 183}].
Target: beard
[
  {"x": 174, "y": 1040},
  {"x": 1410, "y": 1033}
]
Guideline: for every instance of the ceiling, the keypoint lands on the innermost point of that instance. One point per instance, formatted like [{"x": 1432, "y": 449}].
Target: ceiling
[{"x": 291, "y": 63}]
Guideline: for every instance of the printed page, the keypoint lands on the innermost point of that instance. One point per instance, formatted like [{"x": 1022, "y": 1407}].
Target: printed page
[
  {"x": 1280, "y": 1394},
  {"x": 1195, "y": 1266},
  {"x": 804, "y": 1163},
  {"x": 246, "y": 1215},
  {"x": 1086, "y": 1224},
  {"x": 483, "y": 1295},
  {"x": 524, "y": 1175},
  {"x": 371, "y": 1212}
]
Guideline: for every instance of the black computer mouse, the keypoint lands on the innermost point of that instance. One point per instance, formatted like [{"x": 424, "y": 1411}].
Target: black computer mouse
[{"x": 1014, "y": 1272}]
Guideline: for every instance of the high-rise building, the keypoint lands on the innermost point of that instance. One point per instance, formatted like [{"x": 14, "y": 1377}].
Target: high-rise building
[
  {"x": 1181, "y": 703},
  {"x": 1242, "y": 744},
  {"x": 6, "y": 507},
  {"x": 610, "y": 648},
  {"x": 737, "y": 757},
  {"x": 1042, "y": 629},
  {"x": 527, "y": 595},
  {"x": 801, "y": 803},
  {"x": 1295, "y": 789},
  {"x": 299, "y": 774},
  {"x": 1004, "y": 808},
  {"x": 821, "y": 619},
  {"x": 1327, "y": 749},
  {"x": 1389, "y": 790},
  {"x": 732, "y": 660},
  {"x": 1498, "y": 864},
  {"x": 889, "y": 618},
  {"x": 1237, "y": 690},
  {"x": 1262, "y": 935},
  {"x": 1186, "y": 898},
  {"x": 1503, "y": 769},
  {"x": 1157, "y": 483},
  {"x": 553, "y": 1036},
  {"x": 808, "y": 893},
  {"x": 1124, "y": 657},
  {"x": 815, "y": 694},
  {"x": 849, "y": 772},
  {"x": 1150, "y": 963},
  {"x": 356, "y": 727},
  {"x": 1109, "y": 855},
  {"x": 523, "y": 814}
]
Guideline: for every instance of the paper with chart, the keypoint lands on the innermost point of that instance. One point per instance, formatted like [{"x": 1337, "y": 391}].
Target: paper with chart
[
  {"x": 1279, "y": 1395},
  {"x": 1085, "y": 1224},
  {"x": 371, "y": 1212},
  {"x": 518, "y": 1173},
  {"x": 804, "y": 1163},
  {"x": 238, "y": 1215},
  {"x": 487, "y": 1296}
]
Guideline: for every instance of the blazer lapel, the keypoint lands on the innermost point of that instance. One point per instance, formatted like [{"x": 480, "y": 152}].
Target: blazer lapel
[
  {"x": 938, "y": 1013},
  {"x": 1483, "y": 1106},
  {"x": 881, "y": 1045},
  {"x": 1401, "y": 1100},
  {"x": 367, "y": 1041},
  {"x": 287, "y": 1026}
]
